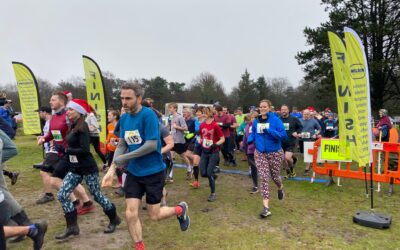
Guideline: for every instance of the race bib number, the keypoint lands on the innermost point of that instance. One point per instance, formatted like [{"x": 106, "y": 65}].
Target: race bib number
[
  {"x": 261, "y": 127},
  {"x": 133, "y": 137},
  {"x": 207, "y": 143},
  {"x": 305, "y": 135},
  {"x": 57, "y": 135},
  {"x": 329, "y": 128},
  {"x": 73, "y": 159},
  {"x": 286, "y": 125}
]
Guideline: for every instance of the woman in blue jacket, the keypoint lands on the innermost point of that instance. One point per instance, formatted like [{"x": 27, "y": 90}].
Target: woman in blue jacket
[{"x": 267, "y": 134}]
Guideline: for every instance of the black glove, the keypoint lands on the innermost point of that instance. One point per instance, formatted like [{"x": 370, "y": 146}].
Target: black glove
[
  {"x": 226, "y": 125},
  {"x": 214, "y": 146}
]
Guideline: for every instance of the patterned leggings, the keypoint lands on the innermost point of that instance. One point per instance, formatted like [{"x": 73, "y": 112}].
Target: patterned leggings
[
  {"x": 72, "y": 180},
  {"x": 269, "y": 165}
]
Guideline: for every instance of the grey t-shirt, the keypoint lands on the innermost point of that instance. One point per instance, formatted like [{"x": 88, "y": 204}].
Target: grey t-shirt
[{"x": 178, "y": 135}]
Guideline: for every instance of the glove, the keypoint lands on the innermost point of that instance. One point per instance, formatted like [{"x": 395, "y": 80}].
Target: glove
[
  {"x": 226, "y": 125},
  {"x": 213, "y": 146}
]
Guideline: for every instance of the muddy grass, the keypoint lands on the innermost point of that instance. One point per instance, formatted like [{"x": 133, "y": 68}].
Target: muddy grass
[{"x": 311, "y": 216}]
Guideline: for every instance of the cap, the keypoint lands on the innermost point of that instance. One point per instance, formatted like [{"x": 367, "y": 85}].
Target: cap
[{"x": 44, "y": 109}]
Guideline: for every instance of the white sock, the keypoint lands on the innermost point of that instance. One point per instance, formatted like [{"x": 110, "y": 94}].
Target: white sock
[
  {"x": 171, "y": 173},
  {"x": 189, "y": 168}
]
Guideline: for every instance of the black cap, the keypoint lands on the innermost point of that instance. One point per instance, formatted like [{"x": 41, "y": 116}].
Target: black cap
[{"x": 44, "y": 109}]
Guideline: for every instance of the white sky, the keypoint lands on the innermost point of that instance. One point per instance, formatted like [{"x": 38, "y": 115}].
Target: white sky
[{"x": 174, "y": 39}]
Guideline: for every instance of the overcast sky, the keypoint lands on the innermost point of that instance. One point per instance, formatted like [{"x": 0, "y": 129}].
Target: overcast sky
[{"x": 174, "y": 39}]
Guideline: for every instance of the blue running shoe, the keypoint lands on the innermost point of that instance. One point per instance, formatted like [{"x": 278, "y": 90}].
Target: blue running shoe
[{"x": 184, "y": 220}]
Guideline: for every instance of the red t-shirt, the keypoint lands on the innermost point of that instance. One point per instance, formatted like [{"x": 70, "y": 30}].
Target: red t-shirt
[
  {"x": 58, "y": 130},
  {"x": 221, "y": 120},
  {"x": 209, "y": 134}
]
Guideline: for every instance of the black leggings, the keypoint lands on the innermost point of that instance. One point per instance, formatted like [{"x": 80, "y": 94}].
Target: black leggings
[
  {"x": 208, "y": 161},
  {"x": 95, "y": 141},
  {"x": 253, "y": 168}
]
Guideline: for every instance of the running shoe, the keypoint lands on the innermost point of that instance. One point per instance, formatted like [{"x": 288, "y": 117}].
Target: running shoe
[
  {"x": 14, "y": 177},
  {"x": 281, "y": 194},
  {"x": 212, "y": 197},
  {"x": 195, "y": 184},
  {"x": 189, "y": 175},
  {"x": 294, "y": 160},
  {"x": 233, "y": 163},
  {"x": 45, "y": 198},
  {"x": 184, "y": 220},
  {"x": 254, "y": 190},
  {"x": 306, "y": 172},
  {"x": 293, "y": 174},
  {"x": 85, "y": 209},
  {"x": 265, "y": 213}
]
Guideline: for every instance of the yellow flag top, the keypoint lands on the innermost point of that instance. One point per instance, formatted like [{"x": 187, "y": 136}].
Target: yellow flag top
[
  {"x": 343, "y": 95},
  {"x": 95, "y": 93},
  {"x": 359, "y": 77},
  {"x": 28, "y": 97}
]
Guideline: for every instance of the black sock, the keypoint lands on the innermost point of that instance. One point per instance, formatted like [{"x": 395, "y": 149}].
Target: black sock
[
  {"x": 33, "y": 230},
  {"x": 87, "y": 204},
  {"x": 76, "y": 202},
  {"x": 196, "y": 172}
]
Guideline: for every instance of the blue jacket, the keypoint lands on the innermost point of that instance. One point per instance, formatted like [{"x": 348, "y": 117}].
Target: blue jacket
[{"x": 268, "y": 135}]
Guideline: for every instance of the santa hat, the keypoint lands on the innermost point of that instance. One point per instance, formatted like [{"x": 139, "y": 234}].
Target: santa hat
[
  {"x": 311, "y": 108},
  {"x": 81, "y": 106},
  {"x": 67, "y": 93}
]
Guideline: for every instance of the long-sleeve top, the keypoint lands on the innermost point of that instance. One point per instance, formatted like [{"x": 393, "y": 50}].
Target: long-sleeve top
[
  {"x": 78, "y": 154},
  {"x": 93, "y": 124},
  {"x": 310, "y": 127},
  {"x": 249, "y": 148}
]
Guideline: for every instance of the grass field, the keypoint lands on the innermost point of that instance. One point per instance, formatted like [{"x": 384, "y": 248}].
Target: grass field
[{"x": 312, "y": 216}]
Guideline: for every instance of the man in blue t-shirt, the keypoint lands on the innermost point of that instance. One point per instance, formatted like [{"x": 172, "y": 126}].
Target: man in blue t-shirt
[{"x": 140, "y": 148}]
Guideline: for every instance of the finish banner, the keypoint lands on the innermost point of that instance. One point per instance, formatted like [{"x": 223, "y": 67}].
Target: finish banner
[
  {"x": 343, "y": 95},
  {"x": 28, "y": 97},
  {"x": 358, "y": 68},
  {"x": 95, "y": 94}
]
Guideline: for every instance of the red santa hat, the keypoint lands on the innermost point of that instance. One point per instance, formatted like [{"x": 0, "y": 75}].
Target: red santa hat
[
  {"x": 67, "y": 93},
  {"x": 311, "y": 108},
  {"x": 81, "y": 106}
]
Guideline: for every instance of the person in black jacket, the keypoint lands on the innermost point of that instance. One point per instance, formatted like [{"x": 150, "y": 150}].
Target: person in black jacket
[
  {"x": 293, "y": 129},
  {"x": 82, "y": 166}
]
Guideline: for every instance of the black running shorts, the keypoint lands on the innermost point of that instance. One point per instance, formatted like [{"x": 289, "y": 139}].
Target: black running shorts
[{"x": 152, "y": 185}]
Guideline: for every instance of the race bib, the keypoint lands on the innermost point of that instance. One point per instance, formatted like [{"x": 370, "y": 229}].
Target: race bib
[
  {"x": 329, "y": 128},
  {"x": 207, "y": 143},
  {"x": 261, "y": 127},
  {"x": 57, "y": 135},
  {"x": 286, "y": 125},
  {"x": 305, "y": 135},
  {"x": 73, "y": 159},
  {"x": 133, "y": 137},
  {"x": 250, "y": 129},
  {"x": 220, "y": 123}
]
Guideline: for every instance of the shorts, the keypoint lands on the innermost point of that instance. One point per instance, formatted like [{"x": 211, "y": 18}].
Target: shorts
[
  {"x": 197, "y": 150},
  {"x": 288, "y": 146},
  {"x": 50, "y": 160},
  {"x": 179, "y": 148},
  {"x": 61, "y": 169},
  {"x": 189, "y": 144},
  {"x": 152, "y": 185}
]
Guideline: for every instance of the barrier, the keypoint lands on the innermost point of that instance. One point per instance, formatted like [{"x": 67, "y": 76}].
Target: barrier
[{"x": 389, "y": 174}]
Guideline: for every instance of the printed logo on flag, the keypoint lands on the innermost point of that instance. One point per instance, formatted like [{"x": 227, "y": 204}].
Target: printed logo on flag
[{"x": 357, "y": 71}]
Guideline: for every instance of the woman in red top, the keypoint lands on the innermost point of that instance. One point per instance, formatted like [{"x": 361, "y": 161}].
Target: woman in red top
[{"x": 211, "y": 139}]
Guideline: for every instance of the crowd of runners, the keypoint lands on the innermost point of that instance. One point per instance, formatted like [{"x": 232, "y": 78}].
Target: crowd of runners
[{"x": 142, "y": 150}]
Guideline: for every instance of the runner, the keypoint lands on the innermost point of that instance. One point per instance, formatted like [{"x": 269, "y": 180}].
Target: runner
[
  {"x": 224, "y": 121},
  {"x": 330, "y": 127},
  {"x": 58, "y": 167},
  {"x": 189, "y": 140},
  {"x": 197, "y": 147},
  {"x": 249, "y": 150},
  {"x": 112, "y": 142},
  {"x": 310, "y": 132},
  {"x": 384, "y": 125},
  {"x": 293, "y": 130},
  {"x": 94, "y": 132},
  {"x": 267, "y": 134},
  {"x": 232, "y": 136},
  {"x": 211, "y": 139},
  {"x": 239, "y": 130},
  {"x": 51, "y": 156},
  {"x": 81, "y": 166},
  {"x": 178, "y": 127},
  {"x": 140, "y": 148}
]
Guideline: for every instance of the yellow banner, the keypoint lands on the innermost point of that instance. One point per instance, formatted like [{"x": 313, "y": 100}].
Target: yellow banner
[
  {"x": 330, "y": 151},
  {"x": 343, "y": 94},
  {"x": 28, "y": 98},
  {"x": 95, "y": 94},
  {"x": 358, "y": 68}
]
